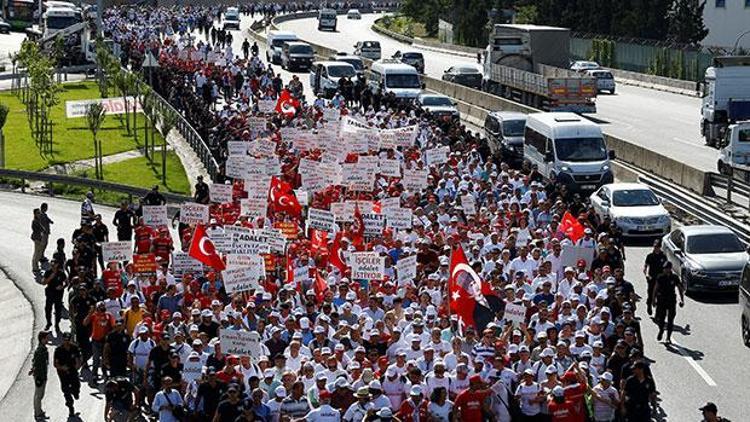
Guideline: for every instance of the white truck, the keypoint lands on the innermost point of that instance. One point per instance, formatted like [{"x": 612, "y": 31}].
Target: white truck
[
  {"x": 734, "y": 155},
  {"x": 528, "y": 64},
  {"x": 726, "y": 97}
]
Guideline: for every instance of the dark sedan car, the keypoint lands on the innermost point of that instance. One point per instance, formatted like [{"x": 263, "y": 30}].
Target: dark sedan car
[
  {"x": 466, "y": 75},
  {"x": 4, "y": 26}
]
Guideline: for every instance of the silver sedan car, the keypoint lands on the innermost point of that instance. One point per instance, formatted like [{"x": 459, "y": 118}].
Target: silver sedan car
[{"x": 634, "y": 207}]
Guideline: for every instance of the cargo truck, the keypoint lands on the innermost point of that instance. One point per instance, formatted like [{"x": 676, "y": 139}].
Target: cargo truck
[
  {"x": 734, "y": 156},
  {"x": 528, "y": 64},
  {"x": 726, "y": 97}
]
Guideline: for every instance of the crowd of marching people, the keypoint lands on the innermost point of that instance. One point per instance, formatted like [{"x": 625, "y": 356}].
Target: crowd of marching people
[{"x": 472, "y": 311}]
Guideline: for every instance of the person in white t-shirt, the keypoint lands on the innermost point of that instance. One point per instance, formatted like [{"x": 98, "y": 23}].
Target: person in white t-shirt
[
  {"x": 324, "y": 413},
  {"x": 530, "y": 395},
  {"x": 606, "y": 399}
]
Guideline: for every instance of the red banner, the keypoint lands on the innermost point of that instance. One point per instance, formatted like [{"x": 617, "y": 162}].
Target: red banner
[{"x": 144, "y": 263}]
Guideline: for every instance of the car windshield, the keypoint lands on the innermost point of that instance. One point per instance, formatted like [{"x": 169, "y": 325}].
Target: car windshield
[
  {"x": 402, "y": 80},
  {"x": 354, "y": 62},
  {"x": 300, "y": 49},
  {"x": 634, "y": 198},
  {"x": 513, "y": 127},
  {"x": 467, "y": 70},
  {"x": 61, "y": 22},
  {"x": 412, "y": 56},
  {"x": 714, "y": 243},
  {"x": 279, "y": 42},
  {"x": 340, "y": 71},
  {"x": 370, "y": 44},
  {"x": 436, "y": 101},
  {"x": 580, "y": 149},
  {"x": 603, "y": 75}
]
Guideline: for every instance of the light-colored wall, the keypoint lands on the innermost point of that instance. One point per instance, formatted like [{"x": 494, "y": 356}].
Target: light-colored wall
[{"x": 726, "y": 23}]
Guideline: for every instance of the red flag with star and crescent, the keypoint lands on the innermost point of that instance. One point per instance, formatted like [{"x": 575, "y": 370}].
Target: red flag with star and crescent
[
  {"x": 358, "y": 229},
  {"x": 287, "y": 104},
  {"x": 471, "y": 298},
  {"x": 281, "y": 197},
  {"x": 202, "y": 249},
  {"x": 571, "y": 227},
  {"x": 336, "y": 254}
]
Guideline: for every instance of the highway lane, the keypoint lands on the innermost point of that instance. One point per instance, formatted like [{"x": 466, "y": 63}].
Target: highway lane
[{"x": 663, "y": 122}]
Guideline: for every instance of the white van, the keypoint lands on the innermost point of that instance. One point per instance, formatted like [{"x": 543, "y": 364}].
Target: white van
[
  {"x": 327, "y": 20},
  {"x": 570, "y": 148},
  {"x": 367, "y": 49},
  {"x": 325, "y": 76},
  {"x": 232, "y": 18},
  {"x": 58, "y": 18},
  {"x": 391, "y": 75},
  {"x": 275, "y": 43}
]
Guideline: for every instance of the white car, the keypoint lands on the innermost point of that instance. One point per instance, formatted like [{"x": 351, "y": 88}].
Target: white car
[
  {"x": 582, "y": 66},
  {"x": 634, "y": 207},
  {"x": 353, "y": 14}
]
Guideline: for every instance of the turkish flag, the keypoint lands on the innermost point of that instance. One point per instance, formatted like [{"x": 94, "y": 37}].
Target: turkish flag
[
  {"x": 358, "y": 229},
  {"x": 336, "y": 254},
  {"x": 471, "y": 299},
  {"x": 202, "y": 249},
  {"x": 572, "y": 228},
  {"x": 289, "y": 268},
  {"x": 286, "y": 104},
  {"x": 281, "y": 197},
  {"x": 318, "y": 240},
  {"x": 320, "y": 286}
]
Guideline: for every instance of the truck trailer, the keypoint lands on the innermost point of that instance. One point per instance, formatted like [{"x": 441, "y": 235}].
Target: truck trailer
[{"x": 726, "y": 97}]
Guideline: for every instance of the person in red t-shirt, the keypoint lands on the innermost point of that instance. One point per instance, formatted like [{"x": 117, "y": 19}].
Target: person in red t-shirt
[
  {"x": 143, "y": 235},
  {"x": 163, "y": 246},
  {"x": 111, "y": 277},
  {"x": 560, "y": 409},
  {"x": 574, "y": 385},
  {"x": 101, "y": 323},
  {"x": 472, "y": 402}
]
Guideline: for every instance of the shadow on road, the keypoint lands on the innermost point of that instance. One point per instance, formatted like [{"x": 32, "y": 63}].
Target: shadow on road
[{"x": 684, "y": 351}]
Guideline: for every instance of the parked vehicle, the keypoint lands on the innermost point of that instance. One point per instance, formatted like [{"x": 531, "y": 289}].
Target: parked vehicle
[
  {"x": 528, "y": 64},
  {"x": 438, "y": 105},
  {"x": 327, "y": 20},
  {"x": 297, "y": 55},
  {"x": 4, "y": 26},
  {"x": 232, "y": 18},
  {"x": 604, "y": 80},
  {"x": 57, "y": 19},
  {"x": 353, "y": 14},
  {"x": 391, "y": 75},
  {"x": 504, "y": 132},
  {"x": 706, "y": 257},
  {"x": 734, "y": 155},
  {"x": 582, "y": 66},
  {"x": 355, "y": 61},
  {"x": 726, "y": 97},
  {"x": 569, "y": 148},
  {"x": 275, "y": 43},
  {"x": 325, "y": 76},
  {"x": 634, "y": 207},
  {"x": 745, "y": 304},
  {"x": 464, "y": 74},
  {"x": 412, "y": 58},
  {"x": 367, "y": 49}
]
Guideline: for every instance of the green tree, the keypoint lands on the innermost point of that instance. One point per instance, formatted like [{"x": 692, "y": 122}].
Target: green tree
[
  {"x": 526, "y": 14},
  {"x": 95, "y": 114},
  {"x": 686, "y": 24},
  {"x": 4, "y": 110}
]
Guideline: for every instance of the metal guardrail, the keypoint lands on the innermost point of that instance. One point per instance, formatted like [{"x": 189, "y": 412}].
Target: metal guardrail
[
  {"x": 733, "y": 188},
  {"x": 61, "y": 71},
  {"x": 89, "y": 183}
]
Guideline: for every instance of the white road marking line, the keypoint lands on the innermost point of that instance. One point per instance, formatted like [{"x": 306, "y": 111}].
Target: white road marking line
[
  {"x": 691, "y": 143},
  {"x": 702, "y": 372}
]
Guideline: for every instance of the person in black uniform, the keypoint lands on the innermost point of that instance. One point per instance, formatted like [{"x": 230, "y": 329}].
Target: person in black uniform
[
  {"x": 101, "y": 233},
  {"x": 123, "y": 220},
  {"x": 666, "y": 300},
  {"x": 202, "y": 195},
  {"x": 652, "y": 268},
  {"x": 80, "y": 307},
  {"x": 54, "y": 286},
  {"x": 116, "y": 350},
  {"x": 154, "y": 197},
  {"x": 67, "y": 363}
]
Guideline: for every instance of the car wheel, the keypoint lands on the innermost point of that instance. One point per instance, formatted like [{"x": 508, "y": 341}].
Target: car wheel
[
  {"x": 612, "y": 92},
  {"x": 745, "y": 331}
]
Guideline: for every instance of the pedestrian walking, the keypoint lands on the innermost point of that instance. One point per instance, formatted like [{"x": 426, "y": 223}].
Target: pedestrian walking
[
  {"x": 46, "y": 224},
  {"x": 710, "y": 413},
  {"x": 68, "y": 363},
  {"x": 87, "y": 209},
  {"x": 124, "y": 220},
  {"x": 168, "y": 403},
  {"x": 39, "y": 364},
  {"x": 37, "y": 236},
  {"x": 652, "y": 269},
  {"x": 55, "y": 282},
  {"x": 666, "y": 300}
]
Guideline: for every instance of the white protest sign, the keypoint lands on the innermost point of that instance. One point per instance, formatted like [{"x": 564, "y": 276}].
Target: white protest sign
[
  {"x": 374, "y": 224},
  {"x": 254, "y": 207},
  {"x": 183, "y": 263},
  {"x": 240, "y": 279},
  {"x": 192, "y": 213},
  {"x": 266, "y": 106},
  {"x": 301, "y": 274},
  {"x": 246, "y": 242},
  {"x": 221, "y": 240},
  {"x": 391, "y": 168},
  {"x": 237, "y": 147},
  {"x": 117, "y": 251},
  {"x": 367, "y": 266},
  {"x": 571, "y": 254},
  {"x": 239, "y": 342},
  {"x": 390, "y": 202},
  {"x": 343, "y": 211},
  {"x": 155, "y": 215},
  {"x": 219, "y": 192},
  {"x": 437, "y": 155},
  {"x": 114, "y": 105},
  {"x": 407, "y": 268},
  {"x": 276, "y": 239},
  {"x": 235, "y": 261},
  {"x": 321, "y": 220},
  {"x": 191, "y": 371},
  {"x": 236, "y": 166},
  {"x": 468, "y": 204},
  {"x": 414, "y": 179},
  {"x": 515, "y": 313},
  {"x": 398, "y": 218}
]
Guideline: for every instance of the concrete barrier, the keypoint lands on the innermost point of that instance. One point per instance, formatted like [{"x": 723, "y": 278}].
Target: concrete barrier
[{"x": 656, "y": 82}]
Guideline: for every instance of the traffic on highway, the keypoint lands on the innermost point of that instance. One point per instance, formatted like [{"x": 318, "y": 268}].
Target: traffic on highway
[{"x": 369, "y": 251}]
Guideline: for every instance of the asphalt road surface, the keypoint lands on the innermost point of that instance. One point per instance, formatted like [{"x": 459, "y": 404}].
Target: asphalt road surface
[{"x": 663, "y": 122}]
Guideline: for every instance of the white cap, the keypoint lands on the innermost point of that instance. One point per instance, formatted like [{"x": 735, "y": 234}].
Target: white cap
[{"x": 280, "y": 391}]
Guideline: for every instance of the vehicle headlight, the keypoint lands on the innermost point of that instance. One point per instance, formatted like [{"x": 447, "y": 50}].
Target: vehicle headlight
[
  {"x": 697, "y": 272},
  {"x": 565, "y": 169}
]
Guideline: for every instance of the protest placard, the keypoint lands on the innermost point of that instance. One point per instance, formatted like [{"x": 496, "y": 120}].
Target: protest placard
[
  {"x": 415, "y": 180},
  {"x": 390, "y": 202},
  {"x": 192, "y": 213},
  {"x": 183, "y": 263},
  {"x": 237, "y": 147},
  {"x": 254, "y": 207},
  {"x": 468, "y": 204},
  {"x": 374, "y": 224},
  {"x": 117, "y": 251},
  {"x": 222, "y": 242},
  {"x": 571, "y": 254},
  {"x": 289, "y": 229},
  {"x": 266, "y": 106},
  {"x": 515, "y": 313},
  {"x": 144, "y": 264},
  {"x": 240, "y": 279},
  {"x": 220, "y": 193},
  {"x": 365, "y": 207},
  {"x": 236, "y": 166},
  {"x": 437, "y": 156},
  {"x": 191, "y": 371},
  {"x": 276, "y": 239},
  {"x": 367, "y": 266},
  {"x": 321, "y": 220},
  {"x": 398, "y": 218},
  {"x": 307, "y": 167},
  {"x": 239, "y": 342},
  {"x": 237, "y": 260},
  {"x": 301, "y": 274},
  {"x": 343, "y": 211},
  {"x": 407, "y": 268},
  {"x": 391, "y": 168},
  {"x": 155, "y": 215},
  {"x": 248, "y": 241}
]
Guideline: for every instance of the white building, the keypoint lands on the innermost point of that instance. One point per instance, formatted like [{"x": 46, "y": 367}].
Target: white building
[{"x": 726, "y": 20}]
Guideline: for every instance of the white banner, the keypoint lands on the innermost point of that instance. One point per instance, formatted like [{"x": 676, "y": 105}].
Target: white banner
[
  {"x": 515, "y": 313},
  {"x": 367, "y": 266},
  {"x": 240, "y": 279},
  {"x": 117, "y": 251},
  {"x": 220, "y": 193},
  {"x": 468, "y": 204},
  {"x": 437, "y": 155},
  {"x": 407, "y": 268},
  {"x": 237, "y": 147},
  {"x": 321, "y": 220},
  {"x": 415, "y": 180},
  {"x": 239, "y": 342},
  {"x": 266, "y": 106},
  {"x": 374, "y": 224},
  {"x": 254, "y": 207},
  {"x": 390, "y": 168},
  {"x": 247, "y": 241},
  {"x": 192, "y": 213},
  {"x": 115, "y": 105},
  {"x": 191, "y": 371},
  {"x": 155, "y": 215},
  {"x": 183, "y": 263},
  {"x": 398, "y": 218}
]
